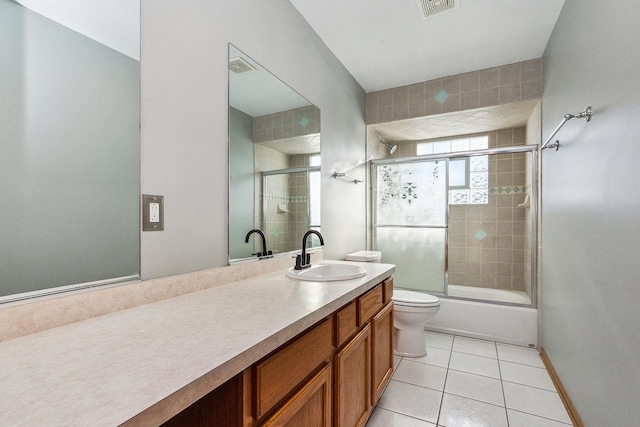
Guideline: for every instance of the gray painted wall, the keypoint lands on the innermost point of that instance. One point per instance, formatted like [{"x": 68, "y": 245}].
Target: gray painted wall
[
  {"x": 69, "y": 156},
  {"x": 184, "y": 122},
  {"x": 591, "y": 210}
]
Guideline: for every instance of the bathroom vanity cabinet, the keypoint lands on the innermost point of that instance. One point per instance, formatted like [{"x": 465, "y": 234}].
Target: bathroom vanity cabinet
[{"x": 332, "y": 374}]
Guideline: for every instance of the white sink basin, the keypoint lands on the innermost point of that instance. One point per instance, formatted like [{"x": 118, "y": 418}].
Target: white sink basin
[{"x": 328, "y": 272}]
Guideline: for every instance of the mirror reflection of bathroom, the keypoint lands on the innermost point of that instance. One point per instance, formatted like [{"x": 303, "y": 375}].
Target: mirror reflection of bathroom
[
  {"x": 274, "y": 161},
  {"x": 459, "y": 191}
]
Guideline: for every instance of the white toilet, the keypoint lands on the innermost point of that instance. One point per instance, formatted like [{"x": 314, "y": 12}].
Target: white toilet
[{"x": 411, "y": 311}]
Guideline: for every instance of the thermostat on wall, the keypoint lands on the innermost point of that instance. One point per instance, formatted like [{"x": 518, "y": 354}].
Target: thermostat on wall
[{"x": 152, "y": 213}]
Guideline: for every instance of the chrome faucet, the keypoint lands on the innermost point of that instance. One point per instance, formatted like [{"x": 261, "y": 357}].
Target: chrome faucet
[
  {"x": 265, "y": 253},
  {"x": 304, "y": 260}
]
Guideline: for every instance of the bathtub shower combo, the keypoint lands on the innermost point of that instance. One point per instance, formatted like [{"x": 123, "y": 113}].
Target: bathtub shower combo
[{"x": 462, "y": 226}]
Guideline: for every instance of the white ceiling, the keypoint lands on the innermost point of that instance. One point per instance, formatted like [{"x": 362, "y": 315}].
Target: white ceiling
[
  {"x": 114, "y": 23},
  {"x": 385, "y": 43}
]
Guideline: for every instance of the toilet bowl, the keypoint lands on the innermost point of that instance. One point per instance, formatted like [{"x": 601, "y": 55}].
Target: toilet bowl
[{"x": 411, "y": 311}]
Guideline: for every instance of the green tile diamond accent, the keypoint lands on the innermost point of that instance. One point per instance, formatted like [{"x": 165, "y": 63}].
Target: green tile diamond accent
[
  {"x": 304, "y": 121},
  {"x": 442, "y": 96},
  {"x": 480, "y": 234},
  {"x": 276, "y": 232}
]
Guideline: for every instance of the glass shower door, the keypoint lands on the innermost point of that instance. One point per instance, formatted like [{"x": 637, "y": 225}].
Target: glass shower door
[{"x": 410, "y": 221}]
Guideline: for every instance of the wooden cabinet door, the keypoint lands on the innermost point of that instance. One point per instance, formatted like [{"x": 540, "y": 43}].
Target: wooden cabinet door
[
  {"x": 381, "y": 351},
  {"x": 352, "y": 366},
  {"x": 310, "y": 407}
]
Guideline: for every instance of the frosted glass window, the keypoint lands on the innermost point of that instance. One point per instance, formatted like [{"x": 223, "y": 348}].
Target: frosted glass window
[
  {"x": 424, "y": 148},
  {"x": 441, "y": 147},
  {"x": 458, "y": 173},
  {"x": 459, "y": 197},
  {"x": 479, "y": 142},
  {"x": 479, "y": 180},
  {"x": 461, "y": 144},
  {"x": 479, "y": 197},
  {"x": 479, "y": 163},
  {"x": 314, "y": 160}
]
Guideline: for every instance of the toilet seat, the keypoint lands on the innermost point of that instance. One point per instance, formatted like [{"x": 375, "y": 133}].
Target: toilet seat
[{"x": 414, "y": 299}]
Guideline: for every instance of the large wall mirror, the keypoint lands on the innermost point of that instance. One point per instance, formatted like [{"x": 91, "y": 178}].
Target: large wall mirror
[
  {"x": 274, "y": 161},
  {"x": 69, "y": 145}
]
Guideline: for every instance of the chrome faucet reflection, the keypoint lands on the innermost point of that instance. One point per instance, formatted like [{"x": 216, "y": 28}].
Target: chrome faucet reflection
[
  {"x": 265, "y": 253},
  {"x": 304, "y": 260}
]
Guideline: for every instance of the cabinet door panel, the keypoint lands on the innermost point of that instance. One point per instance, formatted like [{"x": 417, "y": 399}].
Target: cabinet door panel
[
  {"x": 353, "y": 381},
  {"x": 310, "y": 407},
  {"x": 382, "y": 351},
  {"x": 283, "y": 371},
  {"x": 369, "y": 304}
]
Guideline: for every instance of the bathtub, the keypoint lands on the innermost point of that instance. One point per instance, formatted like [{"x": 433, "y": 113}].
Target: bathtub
[{"x": 486, "y": 320}]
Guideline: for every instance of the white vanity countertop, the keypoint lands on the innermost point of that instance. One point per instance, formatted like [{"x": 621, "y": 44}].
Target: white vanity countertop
[{"x": 118, "y": 368}]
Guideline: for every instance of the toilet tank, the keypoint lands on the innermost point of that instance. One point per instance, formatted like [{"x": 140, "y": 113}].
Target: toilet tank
[{"x": 364, "y": 256}]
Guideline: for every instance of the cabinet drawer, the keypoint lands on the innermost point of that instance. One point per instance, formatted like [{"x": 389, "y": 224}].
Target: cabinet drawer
[
  {"x": 369, "y": 304},
  {"x": 282, "y": 372},
  {"x": 346, "y": 323},
  {"x": 387, "y": 287}
]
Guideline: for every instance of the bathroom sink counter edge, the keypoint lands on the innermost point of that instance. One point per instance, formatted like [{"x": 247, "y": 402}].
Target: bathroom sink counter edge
[{"x": 143, "y": 365}]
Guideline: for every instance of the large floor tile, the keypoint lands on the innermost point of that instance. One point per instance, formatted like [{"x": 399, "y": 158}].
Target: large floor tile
[
  {"x": 520, "y": 419},
  {"x": 516, "y": 354},
  {"x": 473, "y": 364},
  {"x": 420, "y": 374},
  {"x": 411, "y": 400},
  {"x": 396, "y": 362},
  {"x": 438, "y": 340},
  {"x": 473, "y": 346},
  {"x": 459, "y": 411},
  {"x": 534, "y": 401},
  {"x": 484, "y": 389},
  {"x": 385, "y": 418},
  {"x": 435, "y": 356},
  {"x": 526, "y": 375}
]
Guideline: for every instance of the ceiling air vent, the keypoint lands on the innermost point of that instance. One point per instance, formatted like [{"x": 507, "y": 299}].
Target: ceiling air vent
[
  {"x": 239, "y": 65},
  {"x": 429, "y": 8}
]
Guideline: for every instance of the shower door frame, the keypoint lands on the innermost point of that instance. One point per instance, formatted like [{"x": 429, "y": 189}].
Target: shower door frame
[
  {"x": 533, "y": 210},
  {"x": 287, "y": 171}
]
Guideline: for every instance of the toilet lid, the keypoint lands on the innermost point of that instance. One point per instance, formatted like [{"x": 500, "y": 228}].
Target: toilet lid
[{"x": 414, "y": 298}]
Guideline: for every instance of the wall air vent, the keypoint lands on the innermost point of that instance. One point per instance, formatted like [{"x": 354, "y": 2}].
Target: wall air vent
[
  {"x": 239, "y": 65},
  {"x": 430, "y": 8}
]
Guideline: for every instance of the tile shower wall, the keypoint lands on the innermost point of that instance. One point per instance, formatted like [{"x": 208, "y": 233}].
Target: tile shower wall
[
  {"x": 493, "y": 86},
  {"x": 287, "y": 124},
  {"x": 285, "y": 219},
  {"x": 274, "y": 225},
  {"x": 487, "y": 242}
]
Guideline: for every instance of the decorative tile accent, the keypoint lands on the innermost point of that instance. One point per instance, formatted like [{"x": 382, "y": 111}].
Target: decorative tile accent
[
  {"x": 481, "y": 234},
  {"x": 304, "y": 121},
  {"x": 442, "y": 96},
  {"x": 508, "y": 190},
  {"x": 276, "y": 232},
  {"x": 506, "y": 84}
]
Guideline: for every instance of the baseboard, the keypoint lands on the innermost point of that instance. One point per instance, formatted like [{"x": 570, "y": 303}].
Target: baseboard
[{"x": 568, "y": 404}]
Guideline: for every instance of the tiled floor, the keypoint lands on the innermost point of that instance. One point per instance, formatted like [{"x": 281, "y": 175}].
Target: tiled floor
[{"x": 471, "y": 383}]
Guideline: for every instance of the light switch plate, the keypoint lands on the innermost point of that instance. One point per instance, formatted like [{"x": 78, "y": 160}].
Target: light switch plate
[{"x": 152, "y": 213}]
